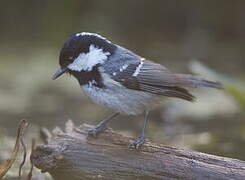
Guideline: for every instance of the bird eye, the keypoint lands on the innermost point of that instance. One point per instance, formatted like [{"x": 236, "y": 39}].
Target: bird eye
[{"x": 68, "y": 55}]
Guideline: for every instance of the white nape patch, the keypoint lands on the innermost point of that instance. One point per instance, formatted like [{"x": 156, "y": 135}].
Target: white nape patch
[
  {"x": 114, "y": 74},
  {"x": 139, "y": 67},
  {"x": 123, "y": 67},
  {"x": 92, "y": 34},
  {"x": 86, "y": 61}
]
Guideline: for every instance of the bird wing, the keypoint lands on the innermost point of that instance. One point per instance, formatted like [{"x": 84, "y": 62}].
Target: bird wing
[
  {"x": 149, "y": 77},
  {"x": 154, "y": 78},
  {"x": 134, "y": 72}
]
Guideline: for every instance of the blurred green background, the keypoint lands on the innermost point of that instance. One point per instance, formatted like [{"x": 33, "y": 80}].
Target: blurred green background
[{"x": 171, "y": 32}]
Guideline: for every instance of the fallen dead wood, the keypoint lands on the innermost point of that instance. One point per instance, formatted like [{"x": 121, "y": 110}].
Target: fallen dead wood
[{"x": 70, "y": 155}]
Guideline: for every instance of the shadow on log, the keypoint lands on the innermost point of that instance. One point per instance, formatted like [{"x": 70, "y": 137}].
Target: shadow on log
[{"x": 70, "y": 155}]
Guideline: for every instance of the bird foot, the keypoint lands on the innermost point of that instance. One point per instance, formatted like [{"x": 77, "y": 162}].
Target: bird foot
[
  {"x": 138, "y": 142},
  {"x": 97, "y": 130}
]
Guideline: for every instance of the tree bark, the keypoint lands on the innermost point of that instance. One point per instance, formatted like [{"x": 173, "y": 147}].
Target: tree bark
[{"x": 71, "y": 155}]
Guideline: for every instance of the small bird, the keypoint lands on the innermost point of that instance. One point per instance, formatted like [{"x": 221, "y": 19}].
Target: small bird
[{"x": 119, "y": 79}]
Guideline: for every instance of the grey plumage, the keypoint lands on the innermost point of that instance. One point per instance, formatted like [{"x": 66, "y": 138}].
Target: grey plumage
[
  {"x": 121, "y": 99},
  {"x": 152, "y": 77},
  {"x": 131, "y": 94}
]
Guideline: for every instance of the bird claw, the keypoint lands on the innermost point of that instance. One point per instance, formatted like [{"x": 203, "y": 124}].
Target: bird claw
[
  {"x": 137, "y": 143},
  {"x": 96, "y": 131}
]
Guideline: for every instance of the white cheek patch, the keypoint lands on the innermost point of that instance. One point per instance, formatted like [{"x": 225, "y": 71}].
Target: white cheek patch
[{"x": 86, "y": 61}]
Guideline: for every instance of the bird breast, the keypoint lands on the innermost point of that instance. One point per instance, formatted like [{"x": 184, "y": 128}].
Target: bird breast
[{"x": 121, "y": 99}]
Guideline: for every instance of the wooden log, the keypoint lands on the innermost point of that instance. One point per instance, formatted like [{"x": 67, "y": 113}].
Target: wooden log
[{"x": 71, "y": 155}]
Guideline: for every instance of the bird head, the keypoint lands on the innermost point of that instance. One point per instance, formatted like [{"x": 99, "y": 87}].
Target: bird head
[{"x": 82, "y": 52}]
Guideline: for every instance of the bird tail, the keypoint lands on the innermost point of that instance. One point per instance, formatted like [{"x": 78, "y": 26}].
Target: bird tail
[{"x": 188, "y": 80}]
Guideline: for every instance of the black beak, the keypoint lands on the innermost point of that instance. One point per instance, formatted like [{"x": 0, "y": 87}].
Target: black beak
[{"x": 59, "y": 72}]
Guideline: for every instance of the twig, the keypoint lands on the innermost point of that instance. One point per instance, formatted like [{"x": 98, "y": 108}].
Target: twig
[
  {"x": 8, "y": 163},
  {"x": 29, "y": 176},
  {"x": 24, "y": 157}
]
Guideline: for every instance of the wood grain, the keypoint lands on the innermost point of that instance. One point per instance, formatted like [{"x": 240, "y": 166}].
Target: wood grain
[{"x": 71, "y": 155}]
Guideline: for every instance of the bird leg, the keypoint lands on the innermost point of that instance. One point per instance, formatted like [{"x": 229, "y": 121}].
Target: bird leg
[
  {"x": 141, "y": 140},
  {"x": 101, "y": 126}
]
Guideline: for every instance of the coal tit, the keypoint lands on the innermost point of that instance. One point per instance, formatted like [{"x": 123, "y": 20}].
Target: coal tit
[{"x": 117, "y": 78}]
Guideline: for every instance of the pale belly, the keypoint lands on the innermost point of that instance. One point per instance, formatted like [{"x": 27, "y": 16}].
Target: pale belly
[{"x": 121, "y": 99}]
